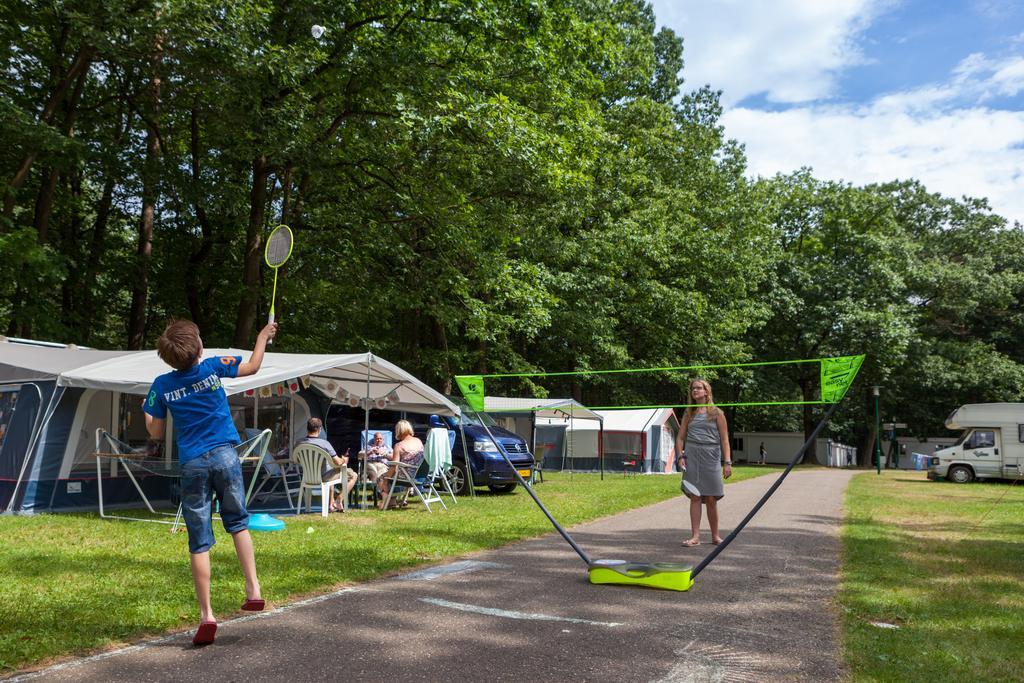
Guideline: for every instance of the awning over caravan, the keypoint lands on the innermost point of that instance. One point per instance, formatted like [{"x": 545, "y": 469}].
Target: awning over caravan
[
  {"x": 550, "y": 408},
  {"x": 29, "y": 363},
  {"x": 342, "y": 376},
  {"x": 633, "y": 420}
]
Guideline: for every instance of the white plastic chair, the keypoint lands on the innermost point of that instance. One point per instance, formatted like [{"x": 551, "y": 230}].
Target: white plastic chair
[{"x": 312, "y": 461}]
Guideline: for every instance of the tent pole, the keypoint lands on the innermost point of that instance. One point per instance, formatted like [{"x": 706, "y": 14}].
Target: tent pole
[
  {"x": 365, "y": 438},
  {"x": 533, "y": 445},
  {"x": 465, "y": 455},
  {"x": 529, "y": 489}
]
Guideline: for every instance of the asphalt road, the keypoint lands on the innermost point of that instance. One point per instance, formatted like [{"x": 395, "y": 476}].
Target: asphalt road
[{"x": 762, "y": 611}]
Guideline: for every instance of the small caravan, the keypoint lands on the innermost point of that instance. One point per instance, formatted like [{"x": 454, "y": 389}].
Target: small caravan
[{"x": 991, "y": 444}]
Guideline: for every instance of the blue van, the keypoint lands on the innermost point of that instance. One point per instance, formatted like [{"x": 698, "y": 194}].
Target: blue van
[
  {"x": 488, "y": 467},
  {"x": 344, "y": 426}
]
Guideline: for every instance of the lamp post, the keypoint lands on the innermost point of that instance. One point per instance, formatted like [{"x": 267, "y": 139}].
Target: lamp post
[{"x": 878, "y": 433}]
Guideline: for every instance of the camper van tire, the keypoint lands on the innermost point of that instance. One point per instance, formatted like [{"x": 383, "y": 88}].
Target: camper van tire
[
  {"x": 502, "y": 488},
  {"x": 458, "y": 479},
  {"x": 961, "y": 474}
]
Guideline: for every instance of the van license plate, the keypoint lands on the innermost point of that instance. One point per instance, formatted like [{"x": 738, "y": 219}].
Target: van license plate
[{"x": 524, "y": 473}]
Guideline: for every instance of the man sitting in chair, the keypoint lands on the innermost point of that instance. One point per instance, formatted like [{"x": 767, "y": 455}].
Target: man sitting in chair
[
  {"x": 314, "y": 429},
  {"x": 378, "y": 457}
]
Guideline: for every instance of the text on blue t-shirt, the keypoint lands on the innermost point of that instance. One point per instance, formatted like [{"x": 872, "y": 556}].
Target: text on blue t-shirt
[{"x": 196, "y": 399}]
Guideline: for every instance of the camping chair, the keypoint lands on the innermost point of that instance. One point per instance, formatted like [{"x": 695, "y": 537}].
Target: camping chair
[
  {"x": 631, "y": 464},
  {"x": 416, "y": 479},
  {"x": 280, "y": 475},
  {"x": 312, "y": 460},
  {"x": 365, "y": 489},
  {"x": 438, "y": 452}
]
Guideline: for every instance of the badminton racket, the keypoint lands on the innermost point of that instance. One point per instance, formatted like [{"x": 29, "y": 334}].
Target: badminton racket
[
  {"x": 276, "y": 254},
  {"x": 686, "y": 487}
]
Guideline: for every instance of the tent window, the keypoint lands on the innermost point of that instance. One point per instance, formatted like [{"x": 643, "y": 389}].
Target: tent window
[
  {"x": 97, "y": 407},
  {"x": 8, "y": 403},
  {"x": 132, "y": 426},
  {"x": 273, "y": 415}
]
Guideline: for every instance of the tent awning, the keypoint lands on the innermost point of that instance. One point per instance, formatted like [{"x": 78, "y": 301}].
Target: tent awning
[
  {"x": 362, "y": 375},
  {"x": 549, "y": 408}
]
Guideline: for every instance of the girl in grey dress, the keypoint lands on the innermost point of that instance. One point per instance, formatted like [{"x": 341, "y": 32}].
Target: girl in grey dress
[{"x": 703, "y": 447}]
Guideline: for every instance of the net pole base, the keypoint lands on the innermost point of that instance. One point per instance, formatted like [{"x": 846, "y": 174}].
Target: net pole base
[{"x": 664, "y": 575}]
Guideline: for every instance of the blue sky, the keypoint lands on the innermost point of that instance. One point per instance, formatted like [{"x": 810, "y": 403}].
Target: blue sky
[{"x": 868, "y": 90}]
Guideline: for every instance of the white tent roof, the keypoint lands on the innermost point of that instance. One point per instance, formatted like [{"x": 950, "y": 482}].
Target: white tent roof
[
  {"x": 550, "y": 408},
  {"x": 31, "y": 363},
  {"x": 630, "y": 420},
  {"x": 360, "y": 375}
]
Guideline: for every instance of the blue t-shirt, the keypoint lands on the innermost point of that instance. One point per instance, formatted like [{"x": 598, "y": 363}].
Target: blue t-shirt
[{"x": 198, "y": 403}]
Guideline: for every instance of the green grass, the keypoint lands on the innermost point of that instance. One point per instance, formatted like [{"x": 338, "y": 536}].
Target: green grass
[
  {"x": 74, "y": 582},
  {"x": 943, "y": 561}
]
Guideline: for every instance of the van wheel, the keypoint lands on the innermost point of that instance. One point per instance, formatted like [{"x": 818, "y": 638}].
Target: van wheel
[
  {"x": 502, "y": 488},
  {"x": 960, "y": 474},
  {"x": 458, "y": 479}
]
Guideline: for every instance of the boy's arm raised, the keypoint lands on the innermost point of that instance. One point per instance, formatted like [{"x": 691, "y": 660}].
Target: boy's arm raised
[{"x": 252, "y": 366}]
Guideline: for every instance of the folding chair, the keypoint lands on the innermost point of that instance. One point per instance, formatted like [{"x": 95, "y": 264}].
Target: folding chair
[
  {"x": 415, "y": 479},
  {"x": 364, "y": 488},
  {"x": 312, "y": 461},
  {"x": 438, "y": 452},
  {"x": 281, "y": 476}
]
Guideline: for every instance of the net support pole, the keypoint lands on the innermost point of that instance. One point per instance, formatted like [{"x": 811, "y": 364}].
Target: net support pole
[
  {"x": 768, "y": 494},
  {"x": 529, "y": 489}
]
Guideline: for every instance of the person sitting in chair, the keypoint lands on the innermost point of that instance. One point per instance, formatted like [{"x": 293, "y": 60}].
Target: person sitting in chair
[
  {"x": 408, "y": 449},
  {"x": 314, "y": 430},
  {"x": 378, "y": 455}
]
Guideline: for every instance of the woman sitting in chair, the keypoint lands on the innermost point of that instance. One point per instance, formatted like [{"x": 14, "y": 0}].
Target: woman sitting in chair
[{"x": 407, "y": 449}]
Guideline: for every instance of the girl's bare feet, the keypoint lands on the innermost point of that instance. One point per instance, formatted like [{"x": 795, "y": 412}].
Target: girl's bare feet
[
  {"x": 690, "y": 542},
  {"x": 716, "y": 540}
]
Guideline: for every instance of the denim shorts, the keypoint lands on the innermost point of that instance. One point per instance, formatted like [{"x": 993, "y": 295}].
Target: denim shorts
[{"x": 216, "y": 471}]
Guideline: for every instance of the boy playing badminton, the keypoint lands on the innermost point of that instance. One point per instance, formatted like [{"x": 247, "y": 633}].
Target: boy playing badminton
[{"x": 206, "y": 437}]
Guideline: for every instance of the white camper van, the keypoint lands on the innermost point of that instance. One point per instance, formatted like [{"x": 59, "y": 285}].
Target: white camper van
[{"x": 991, "y": 444}]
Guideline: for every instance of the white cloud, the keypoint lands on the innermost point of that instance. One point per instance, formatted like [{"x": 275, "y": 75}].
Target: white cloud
[
  {"x": 947, "y": 134},
  {"x": 789, "y": 50},
  {"x": 975, "y": 151},
  {"x": 994, "y": 77}
]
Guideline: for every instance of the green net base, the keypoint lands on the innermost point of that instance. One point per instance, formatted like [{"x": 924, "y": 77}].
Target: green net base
[{"x": 665, "y": 575}]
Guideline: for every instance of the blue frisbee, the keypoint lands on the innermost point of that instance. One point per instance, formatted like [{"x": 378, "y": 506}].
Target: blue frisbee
[{"x": 261, "y": 521}]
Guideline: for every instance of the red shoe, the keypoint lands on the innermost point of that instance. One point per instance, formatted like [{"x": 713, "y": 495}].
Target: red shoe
[
  {"x": 254, "y": 605},
  {"x": 205, "y": 633}
]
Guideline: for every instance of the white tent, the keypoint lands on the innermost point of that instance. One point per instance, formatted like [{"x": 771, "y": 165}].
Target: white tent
[
  {"x": 83, "y": 390},
  {"x": 646, "y": 435},
  {"x": 346, "y": 375},
  {"x": 550, "y": 408}
]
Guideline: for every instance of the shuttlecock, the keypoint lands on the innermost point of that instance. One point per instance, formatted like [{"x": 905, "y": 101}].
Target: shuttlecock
[
  {"x": 317, "y": 31},
  {"x": 309, "y": 529}
]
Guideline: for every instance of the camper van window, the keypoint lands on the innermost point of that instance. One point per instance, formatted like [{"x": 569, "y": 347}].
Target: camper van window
[
  {"x": 982, "y": 439},
  {"x": 963, "y": 437},
  {"x": 1020, "y": 433},
  {"x": 737, "y": 443}
]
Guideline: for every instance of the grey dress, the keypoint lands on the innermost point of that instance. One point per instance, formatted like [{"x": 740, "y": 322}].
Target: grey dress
[{"x": 703, "y": 448}]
